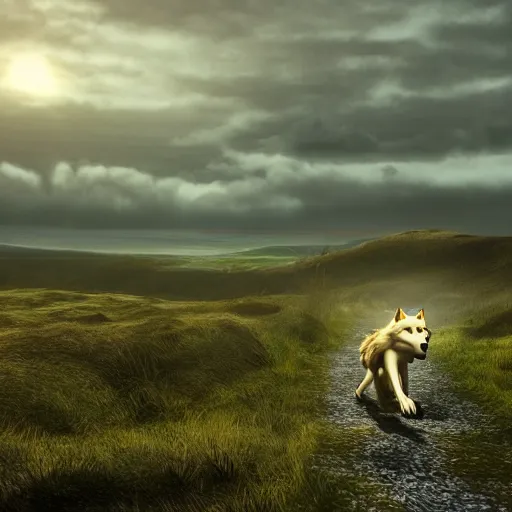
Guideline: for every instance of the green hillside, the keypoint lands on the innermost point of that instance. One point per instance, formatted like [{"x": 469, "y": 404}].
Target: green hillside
[
  {"x": 129, "y": 384},
  {"x": 462, "y": 259}
]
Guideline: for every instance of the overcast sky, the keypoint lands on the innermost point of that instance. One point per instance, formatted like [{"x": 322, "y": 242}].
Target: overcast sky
[{"x": 257, "y": 115}]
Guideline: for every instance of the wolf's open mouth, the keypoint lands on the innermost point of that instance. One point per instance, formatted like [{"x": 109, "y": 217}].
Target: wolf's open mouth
[{"x": 422, "y": 356}]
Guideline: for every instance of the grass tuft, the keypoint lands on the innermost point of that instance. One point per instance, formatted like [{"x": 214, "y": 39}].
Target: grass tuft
[{"x": 160, "y": 405}]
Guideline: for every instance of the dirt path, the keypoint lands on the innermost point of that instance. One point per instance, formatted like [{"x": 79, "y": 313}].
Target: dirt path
[{"x": 404, "y": 455}]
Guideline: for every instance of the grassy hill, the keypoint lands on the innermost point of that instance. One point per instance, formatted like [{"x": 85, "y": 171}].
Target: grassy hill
[
  {"x": 299, "y": 250},
  {"x": 127, "y": 383},
  {"x": 418, "y": 250},
  {"x": 251, "y": 259},
  {"x": 117, "y": 402},
  {"x": 462, "y": 259}
]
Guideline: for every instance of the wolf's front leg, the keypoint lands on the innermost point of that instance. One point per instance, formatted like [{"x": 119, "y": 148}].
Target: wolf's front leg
[
  {"x": 407, "y": 406},
  {"x": 368, "y": 379},
  {"x": 403, "y": 372}
]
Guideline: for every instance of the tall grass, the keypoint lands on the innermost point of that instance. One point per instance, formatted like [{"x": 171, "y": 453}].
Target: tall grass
[
  {"x": 121, "y": 403},
  {"x": 477, "y": 352},
  {"x": 115, "y": 402}
]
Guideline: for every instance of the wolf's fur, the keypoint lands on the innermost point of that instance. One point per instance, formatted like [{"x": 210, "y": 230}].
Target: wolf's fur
[{"x": 386, "y": 354}]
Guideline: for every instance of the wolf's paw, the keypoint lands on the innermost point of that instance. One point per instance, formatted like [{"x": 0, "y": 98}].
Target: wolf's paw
[
  {"x": 418, "y": 411},
  {"x": 407, "y": 406},
  {"x": 359, "y": 398}
]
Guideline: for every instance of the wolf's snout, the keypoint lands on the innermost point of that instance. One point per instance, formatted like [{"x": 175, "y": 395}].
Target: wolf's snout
[{"x": 424, "y": 347}]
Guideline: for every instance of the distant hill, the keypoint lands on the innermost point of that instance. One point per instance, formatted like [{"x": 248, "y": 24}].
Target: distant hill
[
  {"x": 11, "y": 249},
  {"x": 7, "y": 250},
  {"x": 412, "y": 251},
  {"x": 411, "y": 261},
  {"x": 299, "y": 250}
]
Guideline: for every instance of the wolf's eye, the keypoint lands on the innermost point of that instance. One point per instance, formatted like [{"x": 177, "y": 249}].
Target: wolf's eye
[
  {"x": 408, "y": 329},
  {"x": 419, "y": 329}
]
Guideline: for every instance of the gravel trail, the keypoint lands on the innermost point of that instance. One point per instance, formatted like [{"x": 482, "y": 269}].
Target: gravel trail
[{"x": 404, "y": 455}]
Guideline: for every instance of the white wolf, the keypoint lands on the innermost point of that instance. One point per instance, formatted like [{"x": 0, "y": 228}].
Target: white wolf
[{"x": 386, "y": 354}]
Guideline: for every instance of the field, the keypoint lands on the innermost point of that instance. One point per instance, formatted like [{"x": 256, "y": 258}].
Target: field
[{"x": 139, "y": 383}]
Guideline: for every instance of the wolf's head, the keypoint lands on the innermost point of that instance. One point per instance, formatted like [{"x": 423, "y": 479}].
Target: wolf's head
[{"x": 411, "y": 333}]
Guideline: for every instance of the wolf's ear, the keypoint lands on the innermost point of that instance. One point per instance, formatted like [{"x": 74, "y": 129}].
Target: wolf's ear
[
  {"x": 399, "y": 315},
  {"x": 421, "y": 314}
]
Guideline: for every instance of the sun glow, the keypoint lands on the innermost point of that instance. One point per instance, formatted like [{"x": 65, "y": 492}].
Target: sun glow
[{"x": 32, "y": 74}]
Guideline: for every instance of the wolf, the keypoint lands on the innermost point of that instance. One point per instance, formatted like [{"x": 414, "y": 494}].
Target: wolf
[{"x": 386, "y": 354}]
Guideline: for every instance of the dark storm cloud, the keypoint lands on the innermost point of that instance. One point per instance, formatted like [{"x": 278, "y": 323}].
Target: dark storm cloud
[
  {"x": 477, "y": 35},
  {"x": 288, "y": 88},
  {"x": 426, "y": 128},
  {"x": 40, "y": 138},
  {"x": 310, "y": 72},
  {"x": 446, "y": 66},
  {"x": 228, "y": 19},
  {"x": 125, "y": 198},
  {"x": 328, "y": 110},
  {"x": 413, "y": 127},
  {"x": 319, "y": 139},
  {"x": 329, "y": 77},
  {"x": 469, "y": 209}
]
